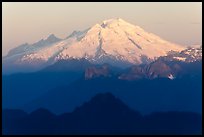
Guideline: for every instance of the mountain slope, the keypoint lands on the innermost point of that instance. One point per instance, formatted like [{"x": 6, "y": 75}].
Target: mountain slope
[{"x": 118, "y": 40}]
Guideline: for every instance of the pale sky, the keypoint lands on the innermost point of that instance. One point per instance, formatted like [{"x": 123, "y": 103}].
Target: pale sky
[{"x": 179, "y": 23}]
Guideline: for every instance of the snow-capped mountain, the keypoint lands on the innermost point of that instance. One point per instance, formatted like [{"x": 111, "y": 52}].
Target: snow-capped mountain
[
  {"x": 113, "y": 41},
  {"x": 190, "y": 54}
]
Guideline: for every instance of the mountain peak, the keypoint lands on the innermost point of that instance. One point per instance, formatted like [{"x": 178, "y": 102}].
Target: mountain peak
[
  {"x": 103, "y": 102},
  {"x": 103, "y": 97},
  {"x": 51, "y": 38},
  {"x": 114, "y": 22},
  {"x": 76, "y": 34}
]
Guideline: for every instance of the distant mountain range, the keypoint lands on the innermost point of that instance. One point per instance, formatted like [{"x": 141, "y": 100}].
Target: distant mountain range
[
  {"x": 72, "y": 79},
  {"x": 103, "y": 114},
  {"x": 113, "y": 41}
]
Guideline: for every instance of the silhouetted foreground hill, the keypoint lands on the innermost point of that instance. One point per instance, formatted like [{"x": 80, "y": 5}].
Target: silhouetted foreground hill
[{"x": 103, "y": 114}]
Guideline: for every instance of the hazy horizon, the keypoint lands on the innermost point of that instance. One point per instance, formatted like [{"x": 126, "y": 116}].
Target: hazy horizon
[{"x": 179, "y": 23}]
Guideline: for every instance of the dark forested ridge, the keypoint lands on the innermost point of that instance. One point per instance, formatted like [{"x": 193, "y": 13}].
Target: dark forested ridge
[{"x": 103, "y": 114}]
